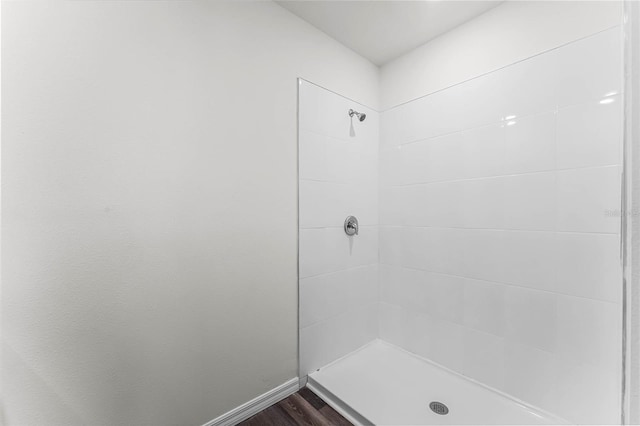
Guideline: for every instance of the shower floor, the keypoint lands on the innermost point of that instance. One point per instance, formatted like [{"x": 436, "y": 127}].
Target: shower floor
[{"x": 384, "y": 385}]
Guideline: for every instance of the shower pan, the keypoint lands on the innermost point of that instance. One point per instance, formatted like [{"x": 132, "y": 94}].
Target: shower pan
[{"x": 484, "y": 285}]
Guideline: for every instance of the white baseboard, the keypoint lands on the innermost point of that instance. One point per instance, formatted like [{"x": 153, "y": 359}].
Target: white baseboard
[{"x": 256, "y": 405}]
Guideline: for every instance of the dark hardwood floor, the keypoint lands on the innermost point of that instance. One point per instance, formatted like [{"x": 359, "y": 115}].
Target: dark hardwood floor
[{"x": 302, "y": 408}]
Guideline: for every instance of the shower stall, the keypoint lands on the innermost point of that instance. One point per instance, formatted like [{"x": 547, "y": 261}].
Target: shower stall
[{"x": 484, "y": 284}]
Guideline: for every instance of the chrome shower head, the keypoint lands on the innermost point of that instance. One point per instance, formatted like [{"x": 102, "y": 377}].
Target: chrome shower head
[{"x": 361, "y": 115}]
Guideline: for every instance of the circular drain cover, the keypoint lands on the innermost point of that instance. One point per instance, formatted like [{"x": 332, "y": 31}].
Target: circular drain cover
[{"x": 439, "y": 408}]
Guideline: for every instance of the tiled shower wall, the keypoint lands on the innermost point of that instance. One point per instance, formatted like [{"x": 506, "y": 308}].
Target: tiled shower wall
[
  {"x": 338, "y": 177},
  {"x": 499, "y": 228}
]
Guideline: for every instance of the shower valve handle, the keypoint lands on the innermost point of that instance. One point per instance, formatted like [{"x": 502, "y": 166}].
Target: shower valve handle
[{"x": 351, "y": 226}]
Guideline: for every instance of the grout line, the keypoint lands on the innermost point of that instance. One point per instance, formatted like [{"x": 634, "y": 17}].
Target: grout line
[
  {"x": 406, "y": 185},
  {"x": 555, "y": 110},
  {"x": 504, "y": 338},
  {"x": 340, "y": 182},
  {"x": 338, "y": 94},
  {"x": 351, "y": 139},
  {"x": 336, "y": 227},
  {"x": 349, "y": 311},
  {"x": 499, "y": 283},
  {"x": 502, "y": 230},
  {"x": 350, "y": 268},
  {"x": 503, "y": 67}
]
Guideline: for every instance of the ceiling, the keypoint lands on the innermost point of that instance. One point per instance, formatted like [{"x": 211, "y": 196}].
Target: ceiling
[{"x": 383, "y": 30}]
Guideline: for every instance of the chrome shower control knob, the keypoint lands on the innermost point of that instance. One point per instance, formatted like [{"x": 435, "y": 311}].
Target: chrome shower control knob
[{"x": 351, "y": 225}]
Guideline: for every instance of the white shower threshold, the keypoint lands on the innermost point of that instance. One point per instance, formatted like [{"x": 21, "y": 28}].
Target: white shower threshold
[{"x": 382, "y": 384}]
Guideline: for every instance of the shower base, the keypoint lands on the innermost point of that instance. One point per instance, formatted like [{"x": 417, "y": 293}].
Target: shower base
[{"x": 382, "y": 384}]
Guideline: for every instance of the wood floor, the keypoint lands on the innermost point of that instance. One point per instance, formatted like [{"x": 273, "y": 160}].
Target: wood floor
[{"x": 302, "y": 408}]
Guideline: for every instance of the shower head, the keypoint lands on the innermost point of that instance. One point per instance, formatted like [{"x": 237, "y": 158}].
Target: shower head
[{"x": 361, "y": 115}]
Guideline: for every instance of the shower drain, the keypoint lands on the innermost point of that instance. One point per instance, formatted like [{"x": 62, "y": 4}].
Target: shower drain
[{"x": 439, "y": 408}]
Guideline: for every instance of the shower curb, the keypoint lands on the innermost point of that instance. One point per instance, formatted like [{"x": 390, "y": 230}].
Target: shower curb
[{"x": 337, "y": 404}]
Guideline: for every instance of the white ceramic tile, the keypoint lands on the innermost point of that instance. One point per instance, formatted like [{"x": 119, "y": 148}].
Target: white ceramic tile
[
  {"x": 414, "y": 247},
  {"x": 322, "y": 297},
  {"x": 353, "y": 161},
  {"x": 391, "y": 170},
  {"x": 446, "y": 158},
  {"x": 327, "y": 250},
  {"x": 483, "y": 254},
  {"x": 357, "y": 200},
  {"x": 362, "y": 288},
  {"x": 432, "y": 249},
  {"x": 530, "y": 201},
  {"x": 484, "y": 358},
  {"x": 390, "y": 128},
  {"x": 411, "y": 200},
  {"x": 484, "y": 306},
  {"x": 393, "y": 324},
  {"x": 484, "y": 203},
  {"x": 439, "y": 340},
  {"x": 327, "y": 113},
  {"x": 338, "y": 153},
  {"x": 343, "y": 251},
  {"x": 326, "y": 341},
  {"x": 529, "y": 259},
  {"x": 534, "y": 81},
  {"x": 327, "y": 204},
  {"x": 586, "y": 395},
  {"x": 320, "y": 203},
  {"x": 438, "y": 204},
  {"x": 483, "y": 151},
  {"x": 317, "y": 346},
  {"x": 359, "y": 326},
  {"x": 530, "y": 143},
  {"x": 444, "y": 296},
  {"x": 581, "y": 71},
  {"x": 334, "y": 112},
  {"x": 313, "y": 156},
  {"x": 589, "y": 68},
  {"x": 484, "y": 102},
  {"x": 584, "y": 197},
  {"x": 590, "y": 134},
  {"x": 391, "y": 205},
  {"x": 418, "y": 338},
  {"x": 414, "y": 119},
  {"x": 422, "y": 117},
  {"x": 391, "y": 245},
  {"x": 407, "y": 123},
  {"x": 394, "y": 171},
  {"x": 442, "y": 205},
  {"x": 407, "y": 288},
  {"x": 339, "y": 250},
  {"x": 390, "y": 278},
  {"x": 313, "y": 258},
  {"x": 308, "y": 108},
  {"x": 447, "y": 347},
  {"x": 325, "y": 296},
  {"x": 590, "y": 331},
  {"x": 589, "y": 265},
  {"x": 530, "y": 374},
  {"x": 415, "y": 161},
  {"x": 531, "y": 318}
]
